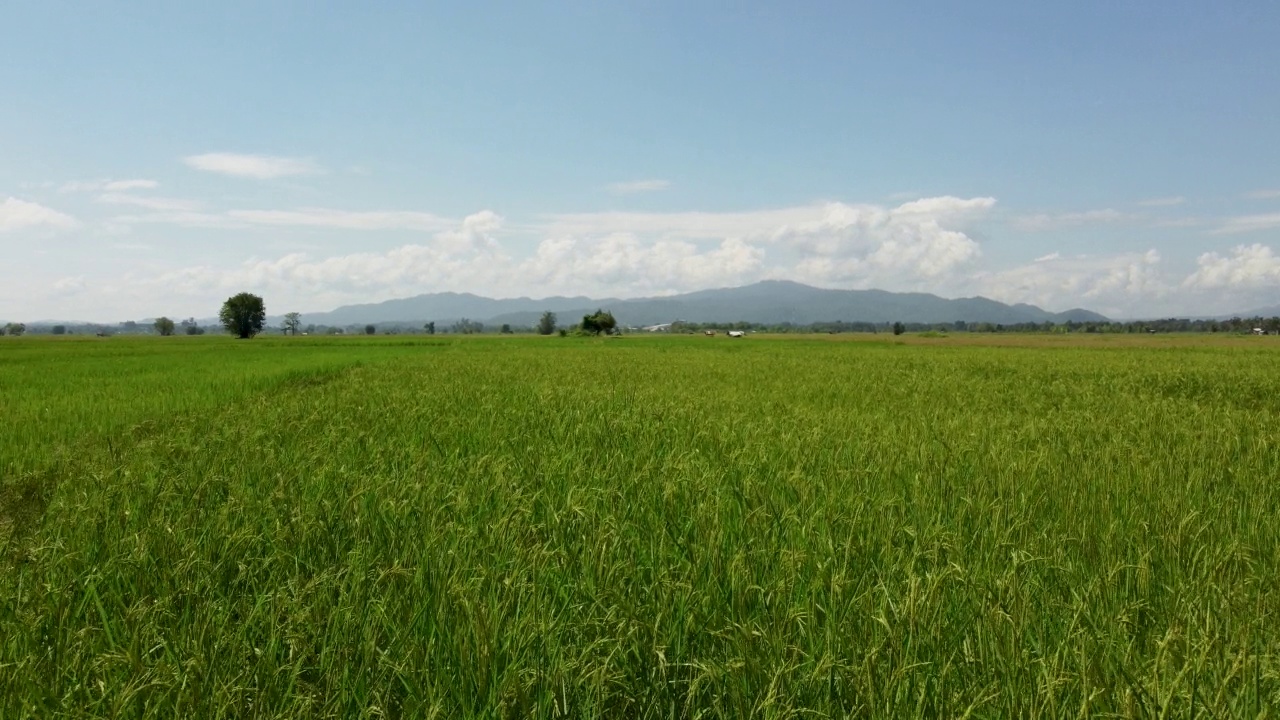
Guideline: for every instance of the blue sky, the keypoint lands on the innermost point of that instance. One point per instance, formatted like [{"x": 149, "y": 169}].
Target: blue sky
[{"x": 158, "y": 157}]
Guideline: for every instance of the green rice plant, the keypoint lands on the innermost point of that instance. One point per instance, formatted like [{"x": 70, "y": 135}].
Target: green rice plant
[{"x": 647, "y": 527}]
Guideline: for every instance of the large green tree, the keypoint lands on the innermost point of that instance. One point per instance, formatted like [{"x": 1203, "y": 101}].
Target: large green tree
[
  {"x": 601, "y": 321},
  {"x": 292, "y": 321},
  {"x": 164, "y": 326},
  {"x": 547, "y": 324},
  {"x": 243, "y": 315}
]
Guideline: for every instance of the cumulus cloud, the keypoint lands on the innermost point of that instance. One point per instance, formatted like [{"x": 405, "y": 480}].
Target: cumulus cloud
[
  {"x": 904, "y": 247},
  {"x": 866, "y": 245},
  {"x": 1245, "y": 267},
  {"x": 627, "y": 263},
  {"x": 1041, "y": 222},
  {"x": 924, "y": 244},
  {"x": 18, "y": 214},
  {"x": 831, "y": 243},
  {"x": 638, "y": 186},
  {"x": 1248, "y": 223},
  {"x": 1112, "y": 284},
  {"x": 464, "y": 256},
  {"x": 262, "y": 167}
]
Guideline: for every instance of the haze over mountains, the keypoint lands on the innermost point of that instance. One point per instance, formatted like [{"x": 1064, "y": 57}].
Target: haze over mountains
[{"x": 768, "y": 302}]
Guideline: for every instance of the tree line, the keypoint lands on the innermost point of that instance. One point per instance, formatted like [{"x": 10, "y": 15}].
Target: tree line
[
  {"x": 1179, "y": 325},
  {"x": 244, "y": 315}
]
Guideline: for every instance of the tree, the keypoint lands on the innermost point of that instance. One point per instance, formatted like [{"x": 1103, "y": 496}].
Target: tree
[
  {"x": 16, "y": 329},
  {"x": 4, "y": 329},
  {"x": 164, "y": 326},
  {"x": 899, "y": 328},
  {"x": 430, "y": 327},
  {"x": 292, "y": 321},
  {"x": 370, "y": 329},
  {"x": 506, "y": 329},
  {"x": 547, "y": 324},
  {"x": 59, "y": 329},
  {"x": 468, "y": 327},
  {"x": 191, "y": 327},
  {"x": 599, "y": 322},
  {"x": 243, "y": 315}
]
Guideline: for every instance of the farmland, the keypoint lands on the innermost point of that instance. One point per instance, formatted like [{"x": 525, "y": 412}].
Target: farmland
[{"x": 640, "y": 527}]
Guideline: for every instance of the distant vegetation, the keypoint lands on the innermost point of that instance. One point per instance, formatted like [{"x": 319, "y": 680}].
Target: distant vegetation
[
  {"x": 243, "y": 315},
  {"x": 598, "y": 322},
  {"x": 164, "y": 326},
  {"x": 650, "y": 528},
  {"x": 548, "y": 325},
  {"x": 771, "y": 302}
]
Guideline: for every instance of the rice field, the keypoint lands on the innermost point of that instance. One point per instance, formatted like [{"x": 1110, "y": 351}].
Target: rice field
[{"x": 641, "y": 527}]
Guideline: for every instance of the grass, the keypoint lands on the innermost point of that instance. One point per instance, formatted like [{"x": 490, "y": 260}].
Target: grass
[{"x": 644, "y": 527}]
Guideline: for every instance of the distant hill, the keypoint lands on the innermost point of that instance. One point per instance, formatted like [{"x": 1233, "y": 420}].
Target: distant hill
[
  {"x": 1266, "y": 312},
  {"x": 770, "y": 302}
]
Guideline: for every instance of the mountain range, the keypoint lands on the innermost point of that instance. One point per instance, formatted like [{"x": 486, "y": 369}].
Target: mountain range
[{"x": 769, "y": 302}]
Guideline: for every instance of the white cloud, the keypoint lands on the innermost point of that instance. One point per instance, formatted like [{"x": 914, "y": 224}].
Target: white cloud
[
  {"x": 323, "y": 217},
  {"x": 1163, "y": 201},
  {"x": 1115, "y": 285},
  {"x": 925, "y": 244},
  {"x": 124, "y": 185},
  {"x": 638, "y": 186},
  {"x": 907, "y": 247},
  {"x": 183, "y": 218},
  {"x": 107, "y": 185},
  {"x": 18, "y": 214},
  {"x": 464, "y": 257},
  {"x": 869, "y": 245},
  {"x": 764, "y": 225},
  {"x": 1263, "y": 195},
  {"x": 187, "y": 213},
  {"x": 1248, "y": 223},
  {"x": 1044, "y": 221},
  {"x": 1245, "y": 267},
  {"x": 625, "y": 263},
  {"x": 688, "y": 225},
  {"x": 1178, "y": 222},
  {"x": 947, "y": 207},
  {"x": 263, "y": 167},
  {"x": 149, "y": 202},
  {"x": 68, "y": 285}
]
